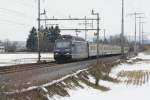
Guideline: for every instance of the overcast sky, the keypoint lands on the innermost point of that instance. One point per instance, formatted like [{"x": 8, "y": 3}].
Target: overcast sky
[{"x": 18, "y": 16}]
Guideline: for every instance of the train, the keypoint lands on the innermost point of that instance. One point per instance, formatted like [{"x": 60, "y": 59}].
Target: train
[{"x": 69, "y": 48}]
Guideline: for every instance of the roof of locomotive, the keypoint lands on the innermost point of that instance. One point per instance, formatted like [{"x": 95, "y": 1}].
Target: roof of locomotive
[{"x": 69, "y": 37}]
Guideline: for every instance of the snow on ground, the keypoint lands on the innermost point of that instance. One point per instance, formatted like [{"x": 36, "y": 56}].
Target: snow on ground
[
  {"x": 119, "y": 91},
  {"x": 140, "y": 65},
  {"x": 22, "y": 58},
  {"x": 115, "y": 94},
  {"x": 143, "y": 56}
]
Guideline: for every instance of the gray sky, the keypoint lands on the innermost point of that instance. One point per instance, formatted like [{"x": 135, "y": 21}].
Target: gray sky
[{"x": 18, "y": 16}]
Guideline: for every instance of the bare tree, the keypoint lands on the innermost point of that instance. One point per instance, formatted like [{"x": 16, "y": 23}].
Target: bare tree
[{"x": 10, "y": 46}]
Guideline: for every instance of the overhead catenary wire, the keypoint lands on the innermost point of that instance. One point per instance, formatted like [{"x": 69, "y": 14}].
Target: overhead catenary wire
[
  {"x": 21, "y": 14},
  {"x": 13, "y": 22},
  {"x": 25, "y": 4},
  {"x": 4, "y": 11}
]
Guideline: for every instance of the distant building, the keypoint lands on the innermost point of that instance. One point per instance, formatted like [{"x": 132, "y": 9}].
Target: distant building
[{"x": 2, "y": 47}]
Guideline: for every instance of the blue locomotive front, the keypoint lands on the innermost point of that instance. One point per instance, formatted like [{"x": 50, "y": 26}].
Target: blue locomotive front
[
  {"x": 69, "y": 48},
  {"x": 62, "y": 50}
]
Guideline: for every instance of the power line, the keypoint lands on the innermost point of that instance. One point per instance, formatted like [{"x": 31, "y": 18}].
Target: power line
[
  {"x": 79, "y": 29},
  {"x": 16, "y": 12},
  {"x": 68, "y": 19},
  {"x": 13, "y": 22},
  {"x": 25, "y": 4}
]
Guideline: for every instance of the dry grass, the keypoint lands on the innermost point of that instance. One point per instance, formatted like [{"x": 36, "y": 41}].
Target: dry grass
[
  {"x": 57, "y": 89},
  {"x": 137, "y": 78},
  {"x": 147, "y": 48},
  {"x": 101, "y": 71},
  {"x": 84, "y": 80}
]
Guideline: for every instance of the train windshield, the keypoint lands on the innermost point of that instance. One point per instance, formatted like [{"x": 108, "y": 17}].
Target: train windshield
[{"x": 62, "y": 44}]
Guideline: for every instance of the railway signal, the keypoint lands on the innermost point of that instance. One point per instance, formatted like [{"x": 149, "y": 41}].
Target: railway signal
[
  {"x": 40, "y": 36},
  {"x": 95, "y": 34}
]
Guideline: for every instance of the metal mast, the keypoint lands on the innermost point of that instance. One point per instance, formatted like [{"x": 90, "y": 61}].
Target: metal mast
[
  {"x": 97, "y": 14},
  {"x": 39, "y": 25},
  {"x": 85, "y": 29},
  {"x": 142, "y": 24},
  {"x": 140, "y": 32},
  {"x": 122, "y": 31},
  {"x": 135, "y": 45}
]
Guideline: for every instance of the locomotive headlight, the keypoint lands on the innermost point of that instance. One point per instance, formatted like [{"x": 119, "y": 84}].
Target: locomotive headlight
[
  {"x": 56, "y": 53},
  {"x": 67, "y": 53}
]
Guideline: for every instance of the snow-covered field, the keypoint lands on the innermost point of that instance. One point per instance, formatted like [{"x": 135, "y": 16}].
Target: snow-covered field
[
  {"x": 22, "y": 58},
  {"x": 120, "y": 91}
]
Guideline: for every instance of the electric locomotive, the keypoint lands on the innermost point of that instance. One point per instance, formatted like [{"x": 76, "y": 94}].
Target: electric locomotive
[{"x": 70, "y": 48}]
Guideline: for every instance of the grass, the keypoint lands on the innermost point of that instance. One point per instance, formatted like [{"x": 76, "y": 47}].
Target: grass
[
  {"x": 147, "y": 48},
  {"x": 137, "y": 77}
]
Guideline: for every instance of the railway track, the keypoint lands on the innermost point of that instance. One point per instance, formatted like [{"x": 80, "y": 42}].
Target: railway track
[{"x": 24, "y": 67}]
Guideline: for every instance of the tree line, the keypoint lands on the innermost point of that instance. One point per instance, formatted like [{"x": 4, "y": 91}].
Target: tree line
[{"x": 47, "y": 37}]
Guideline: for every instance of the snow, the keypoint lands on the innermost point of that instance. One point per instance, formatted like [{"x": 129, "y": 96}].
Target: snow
[
  {"x": 22, "y": 58},
  {"x": 91, "y": 78},
  {"x": 115, "y": 94},
  {"x": 44, "y": 89},
  {"x": 118, "y": 91},
  {"x": 143, "y": 56},
  {"x": 140, "y": 65}
]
